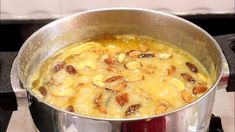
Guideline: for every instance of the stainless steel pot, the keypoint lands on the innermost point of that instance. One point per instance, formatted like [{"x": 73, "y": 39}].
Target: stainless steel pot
[{"x": 81, "y": 26}]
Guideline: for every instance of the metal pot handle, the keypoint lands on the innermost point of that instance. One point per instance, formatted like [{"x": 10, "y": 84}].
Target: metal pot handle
[
  {"x": 223, "y": 83},
  {"x": 227, "y": 44},
  {"x": 20, "y": 93}
]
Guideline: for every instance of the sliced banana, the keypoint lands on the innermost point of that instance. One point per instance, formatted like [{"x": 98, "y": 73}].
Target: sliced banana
[
  {"x": 113, "y": 48},
  {"x": 133, "y": 75},
  {"x": 121, "y": 57},
  {"x": 88, "y": 63},
  {"x": 150, "y": 68},
  {"x": 62, "y": 91},
  {"x": 89, "y": 55},
  {"x": 98, "y": 80},
  {"x": 165, "y": 56},
  {"x": 74, "y": 49},
  {"x": 133, "y": 65},
  {"x": 143, "y": 93},
  {"x": 163, "y": 101},
  {"x": 175, "y": 83}
]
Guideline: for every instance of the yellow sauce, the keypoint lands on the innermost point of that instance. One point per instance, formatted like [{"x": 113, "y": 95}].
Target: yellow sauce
[{"x": 120, "y": 76}]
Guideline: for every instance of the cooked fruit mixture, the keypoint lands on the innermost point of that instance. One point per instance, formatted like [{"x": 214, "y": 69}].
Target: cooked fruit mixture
[{"x": 120, "y": 76}]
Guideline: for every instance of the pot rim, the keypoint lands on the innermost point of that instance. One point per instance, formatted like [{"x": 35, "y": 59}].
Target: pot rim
[{"x": 119, "y": 9}]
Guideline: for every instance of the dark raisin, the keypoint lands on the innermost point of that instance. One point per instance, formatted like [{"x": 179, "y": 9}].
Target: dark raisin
[
  {"x": 122, "y": 99},
  {"x": 188, "y": 77},
  {"x": 43, "y": 91},
  {"x": 132, "y": 109},
  {"x": 70, "y": 108},
  {"x": 58, "y": 66},
  {"x": 146, "y": 56},
  {"x": 191, "y": 67},
  {"x": 70, "y": 69}
]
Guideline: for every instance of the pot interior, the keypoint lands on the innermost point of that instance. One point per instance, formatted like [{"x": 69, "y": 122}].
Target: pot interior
[{"x": 87, "y": 25}]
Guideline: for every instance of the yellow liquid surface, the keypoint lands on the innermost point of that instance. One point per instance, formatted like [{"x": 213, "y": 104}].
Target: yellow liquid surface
[{"x": 120, "y": 76}]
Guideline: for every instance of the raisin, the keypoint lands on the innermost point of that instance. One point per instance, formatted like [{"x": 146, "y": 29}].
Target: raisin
[
  {"x": 49, "y": 81},
  {"x": 43, "y": 91},
  {"x": 146, "y": 56},
  {"x": 122, "y": 99},
  {"x": 132, "y": 65},
  {"x": 117, "y": 88},
  {"x": 70, "y": 69},
  {"x": 187, "y": 97},
  {"x": 132, "y": 109},
  {"x": 113, "y": 78},
  {"x": 171, "y": 70},
  {"x": 58, "y": 66},
  {"x": 111, "y": 69},
  {"x": 120, "y": 87},
  {"x": 70, "y": 108},
  {"x": 109, "y": 89},
  {"x": 97, "y": 100},
  {"x": 191, "y": 67},
  {"x": 80, "y": 85},
  {"x": 109, "y": 61},
  {"x": 161, "y": 108},
  {"x": 188, "y": 77},
  {"x": 99, "y": 107},
  {"x": 199, "y": 89}
]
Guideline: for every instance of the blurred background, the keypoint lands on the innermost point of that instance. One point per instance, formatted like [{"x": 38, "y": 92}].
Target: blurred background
[
  {"x": 20, "y": 18},
  {"x": 47, "y": 9}
]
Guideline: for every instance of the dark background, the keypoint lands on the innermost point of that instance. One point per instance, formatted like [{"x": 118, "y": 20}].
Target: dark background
[{"x": 14, "y": 32}]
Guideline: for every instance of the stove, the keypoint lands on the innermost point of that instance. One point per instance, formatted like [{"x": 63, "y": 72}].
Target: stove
[{"x": 21, "y": 120}]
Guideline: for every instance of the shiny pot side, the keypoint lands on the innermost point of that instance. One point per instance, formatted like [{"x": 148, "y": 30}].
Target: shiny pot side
[
  {"x": 90, "y": 24},
  {"x": 195, "y": 118}
]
